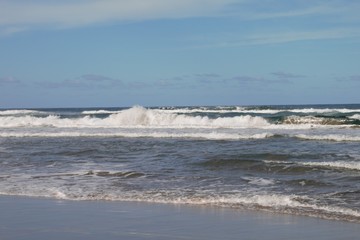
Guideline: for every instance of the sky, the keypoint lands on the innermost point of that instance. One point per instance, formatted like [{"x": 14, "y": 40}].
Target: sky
[{"x": 119, "y": 53}]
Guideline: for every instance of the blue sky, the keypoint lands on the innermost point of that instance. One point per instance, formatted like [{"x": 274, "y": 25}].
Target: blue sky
[{"x": 92, "y": 53}]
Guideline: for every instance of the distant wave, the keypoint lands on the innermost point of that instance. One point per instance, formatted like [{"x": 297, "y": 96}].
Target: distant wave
[
  {"x": 141, "y": 117},
  {"x": 209, "y": 136},
  {"x": 94, "y": 112},
  {"x": 18, "y": 112},
  {"x": 255, "y": 110},
  {"x": 237, "y": 109},
  {"x": 325, "y": 110},
  {"x": 216, "y": 110},
  {"x": 161, "y": 123}
]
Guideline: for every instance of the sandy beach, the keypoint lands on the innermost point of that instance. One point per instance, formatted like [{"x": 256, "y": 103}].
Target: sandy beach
[{"x": 35, "y": 218}]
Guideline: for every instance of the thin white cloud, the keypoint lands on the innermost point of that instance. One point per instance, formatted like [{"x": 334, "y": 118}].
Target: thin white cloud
[
  {"x": 284, "y": 37},
  {"x": 265, "y": 37},
  {"x": 274, "y": 9},
  {"x": 81, "y": 12},
  {"x": 276, "y": 22},
  {"x": 7, "y": 31}
]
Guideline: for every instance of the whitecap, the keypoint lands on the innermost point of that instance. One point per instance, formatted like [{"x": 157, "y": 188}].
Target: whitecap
[
  {"x": 355, "y": 116},
  {"x": 259, "y": 181},
  {"x": 135, "y": 117},
  {"x": 329, "y": 137},
  {"x": 352, "y": 165}
]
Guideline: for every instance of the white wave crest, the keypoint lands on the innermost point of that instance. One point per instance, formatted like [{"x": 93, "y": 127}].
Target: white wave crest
[
  {"x": 260, "y": 111},
  {"x": 27, "y": 121},
  {"x": 209, "y": 136},
  {"x": 323, "y": 110},
  {"x": 355, "y": 116},
  {"x": 139, "y": 116},
  {"x": 259, "y": 181},
  {"x": 352, "y": 165},
  {"x": 311, "y": 120},
  {"x": 218, "y": 110},
  {"x": 329, "y": 137},
  {"x": 293, "y": 204},
  {"x": 136, "y": 117},
  {"x": 94, "y": 112},
  {"x": 17, "y": 112}
]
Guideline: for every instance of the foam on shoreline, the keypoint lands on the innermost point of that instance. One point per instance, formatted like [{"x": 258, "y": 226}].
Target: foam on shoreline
[{"x": 37, "y": 218}]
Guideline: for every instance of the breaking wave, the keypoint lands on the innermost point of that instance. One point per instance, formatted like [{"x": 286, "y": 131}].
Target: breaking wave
[
  {"x": 355, "y": 116},
  {"x": 174, "y": 123},
  {"x": 313, "y": 120},
  {"x": 351, "y": 165},
  {"x": 259, "y": 110},
  {"x": 329, "y": 137},
  {"x": 209, "y": 136},
  {"x": 135, "y": 117},
  {"x": 17, "y": 112}
]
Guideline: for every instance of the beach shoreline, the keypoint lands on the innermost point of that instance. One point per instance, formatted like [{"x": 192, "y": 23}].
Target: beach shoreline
[{"x": 41, "y": 218}]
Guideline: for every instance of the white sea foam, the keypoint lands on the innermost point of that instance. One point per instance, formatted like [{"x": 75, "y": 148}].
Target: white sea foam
[
  {"x": 259, "y": 181},
  {"x": 329, "y": 137},
  {"x": 100, "y": 112},
  {"x": 142, "y": 122},
  {"x": 177, "y": 110},
  {"x": 139, "y": 117},
  {"x": 23, "y": 121},
  {"x": 135, "y": 117},
  {"x": 218, "y": 110},
  {"x": 353, "y": 165},
  {"x": 260, "y": 111},
  {"x": 295, "y": 202},
  {"x": 311, "y": 120},
  {"x": 17, "y": 112},
  {"x": 209, "y": 136},
  {"x": 323, "y": 110},
  {"x": 355, "y": 116},
  {"x": 273, "y": 202}
]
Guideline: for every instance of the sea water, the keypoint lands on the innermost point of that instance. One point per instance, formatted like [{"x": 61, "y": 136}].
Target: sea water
[{"x": 289, "y": 159}]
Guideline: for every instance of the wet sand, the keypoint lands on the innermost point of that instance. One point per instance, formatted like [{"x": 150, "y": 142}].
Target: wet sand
[{"x": 36, "y": 218}]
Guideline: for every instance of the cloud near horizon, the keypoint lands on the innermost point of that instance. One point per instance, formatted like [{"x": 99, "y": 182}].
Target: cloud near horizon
[
  {"x": 85, "y": 82},
  {"x": 352, "y": 78},
  {"x": 96, "y": 81},
  {"x": 9, "y": 80},
  {"x": 284, "y": 75},
  {"x": 212, "y": 79}
]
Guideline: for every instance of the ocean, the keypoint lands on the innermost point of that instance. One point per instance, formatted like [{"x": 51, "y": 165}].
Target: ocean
[{"x": 302, "y": 160}]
